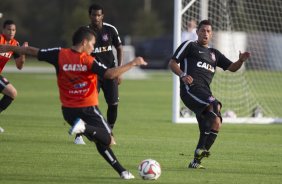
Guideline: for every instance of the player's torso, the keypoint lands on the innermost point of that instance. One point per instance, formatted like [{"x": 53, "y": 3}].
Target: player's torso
[
  {"x": 4, "y": 57},
  {"x": 103, "y": 48},
  {"x": 200, "y": 63},
  {"x": 77, "y": 84}
]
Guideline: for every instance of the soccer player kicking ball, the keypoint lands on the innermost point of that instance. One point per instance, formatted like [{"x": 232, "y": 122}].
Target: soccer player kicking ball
[
  {"x": 198, "y": 64},
  {"x": 77, "y": 74}
]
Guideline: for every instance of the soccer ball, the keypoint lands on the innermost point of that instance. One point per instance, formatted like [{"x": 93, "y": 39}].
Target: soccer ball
[{"x": 149, "y": 169}]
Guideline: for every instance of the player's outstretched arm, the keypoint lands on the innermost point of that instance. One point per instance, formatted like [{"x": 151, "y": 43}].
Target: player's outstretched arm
[
  {"x": 31, "y": 51},
  {"x": 112, "y": 73},
  {"x": 20, "y": 60},
  {"x": 237, "y": 65}
]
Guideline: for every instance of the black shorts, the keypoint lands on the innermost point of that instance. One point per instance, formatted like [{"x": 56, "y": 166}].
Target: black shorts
[
  {"x": 90, "y": 115},
  {"x": 110, "y": 90},
  {"x": 3, "y": 83},
  {"x": 197, "y": 98}
]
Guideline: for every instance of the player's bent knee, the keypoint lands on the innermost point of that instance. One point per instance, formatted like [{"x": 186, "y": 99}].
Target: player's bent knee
[
  {"x": 217, "y": 124},
  {"x": 10, "y": 91}
]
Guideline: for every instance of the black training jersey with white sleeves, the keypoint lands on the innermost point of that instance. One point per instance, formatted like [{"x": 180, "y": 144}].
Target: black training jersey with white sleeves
[
  {"x": 106, "y": 39},
  {"x": 199, "y": 62},
  {"x": 51, "y": 55}
]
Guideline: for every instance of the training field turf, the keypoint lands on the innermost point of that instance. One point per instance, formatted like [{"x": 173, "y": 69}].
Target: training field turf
[{"x": 36, "y": 148}]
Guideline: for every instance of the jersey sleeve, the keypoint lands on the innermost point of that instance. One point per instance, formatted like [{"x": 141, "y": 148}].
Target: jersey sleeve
[
  {"x": 181, "y": 51},
  {"x": 116, "y": 39},
  {"x": 99, "y": 68},
  {"x": 223, "y": 62},
  {"x": 49, "y": 55}
]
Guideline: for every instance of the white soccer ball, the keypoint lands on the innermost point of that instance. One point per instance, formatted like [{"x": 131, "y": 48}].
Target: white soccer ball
[{"x": 149, "y": 169}]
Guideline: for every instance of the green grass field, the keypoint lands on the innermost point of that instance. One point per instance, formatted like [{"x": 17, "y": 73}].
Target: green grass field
[{"x": 36, "y": 148}]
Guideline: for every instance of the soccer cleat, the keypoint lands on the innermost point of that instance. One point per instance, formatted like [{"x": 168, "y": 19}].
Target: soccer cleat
[
  {"x": 1, "y": 130},
  {"x": 195, "y": 165},
  {"x": 78, "y": 127},
  {"x": 201, "y": 153},
  {"x": 79, "y": 140},
  {"x": 126, "y": 175}
]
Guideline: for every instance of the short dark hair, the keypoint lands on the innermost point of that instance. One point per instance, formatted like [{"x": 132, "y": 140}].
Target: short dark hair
[
  {"x": 8, "y": 22},
  {"x": 95, "y": 7},
  {"x": 82, "y": 33},
  {"x": 204, "y": 22}
]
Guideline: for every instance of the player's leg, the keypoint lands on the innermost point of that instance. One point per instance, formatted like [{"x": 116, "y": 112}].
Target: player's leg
[
  {"x": 200, "y": 151},
  {"x": 215, "y": 126},
  {"x": 96, "y": 129},
  {"x": 9, "y": 94},
  {"x": 209, "y": 124},
  {"x": 110, "y": 89},
  {"x": 110, "y": 157},
  {"x": 194, "y": 103}
]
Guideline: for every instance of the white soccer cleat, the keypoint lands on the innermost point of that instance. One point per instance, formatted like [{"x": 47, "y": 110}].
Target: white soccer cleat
[
  {"x": 79, "y": 140},
  {"x": 126, "y": 175},
  {"x": 1, "y": 130},
  {"x": 78, "y": 127}
]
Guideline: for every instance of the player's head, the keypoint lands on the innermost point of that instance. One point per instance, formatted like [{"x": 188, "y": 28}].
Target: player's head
[
  {"x": 204, "y": 32},
  {"x": 96, "y": 14},
  {"x": 9, "y": 29},
  {"x": 85, "y": 38}
]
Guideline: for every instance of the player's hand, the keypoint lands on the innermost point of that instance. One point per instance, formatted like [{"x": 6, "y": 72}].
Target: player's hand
[
  {"x": 25, "y": 44},
  {"x": 187, "y": 79},
  {"x": 244, "y": 56},
  {"x": 138, "y": 61}
]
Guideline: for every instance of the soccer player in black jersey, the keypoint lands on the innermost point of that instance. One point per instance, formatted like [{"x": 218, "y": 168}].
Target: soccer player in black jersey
[
  {"x": 107, "y": 38},
  {"x": 198, "y": 64}
]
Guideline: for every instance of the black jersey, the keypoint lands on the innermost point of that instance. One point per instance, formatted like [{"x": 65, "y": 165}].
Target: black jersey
[
  {"x": 199, "y": 62},
  {"x": 106, "y": 38}
]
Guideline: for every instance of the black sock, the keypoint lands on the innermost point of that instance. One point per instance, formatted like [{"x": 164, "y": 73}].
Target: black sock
[
  {"x": 99, "y": 135},
  {"x": 202, "y": 140},
  {"x": 5, "y": 102},
  {"x": 112, "y": 115},
  {"x": 110, "y": 157},
  {"x": 203, "y": 132},
  {"x": 211, "y": 139}
]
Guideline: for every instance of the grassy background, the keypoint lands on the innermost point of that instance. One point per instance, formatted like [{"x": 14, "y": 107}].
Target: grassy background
[{"x": 36, "y": 148}]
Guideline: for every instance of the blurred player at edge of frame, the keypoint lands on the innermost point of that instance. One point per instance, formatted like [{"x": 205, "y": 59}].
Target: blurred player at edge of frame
[{"x": 6, "y": 88}]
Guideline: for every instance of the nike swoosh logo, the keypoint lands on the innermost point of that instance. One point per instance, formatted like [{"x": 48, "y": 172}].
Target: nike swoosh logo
[{"x": 201, "y": 52}]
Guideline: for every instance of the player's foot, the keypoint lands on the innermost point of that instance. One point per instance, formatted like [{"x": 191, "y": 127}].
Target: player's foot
[
  {"x": 195, "y": 165},
  {"x": 79, "y": 140},
  {"x": 201, "y": 153},
  {"x": 126, "y": 175},
  {"x": 1, "y": 130},
  {"x": 78, "y": 127}
]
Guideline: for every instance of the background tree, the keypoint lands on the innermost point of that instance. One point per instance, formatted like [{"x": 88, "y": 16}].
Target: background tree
[{"x": 50, "y": 23}]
